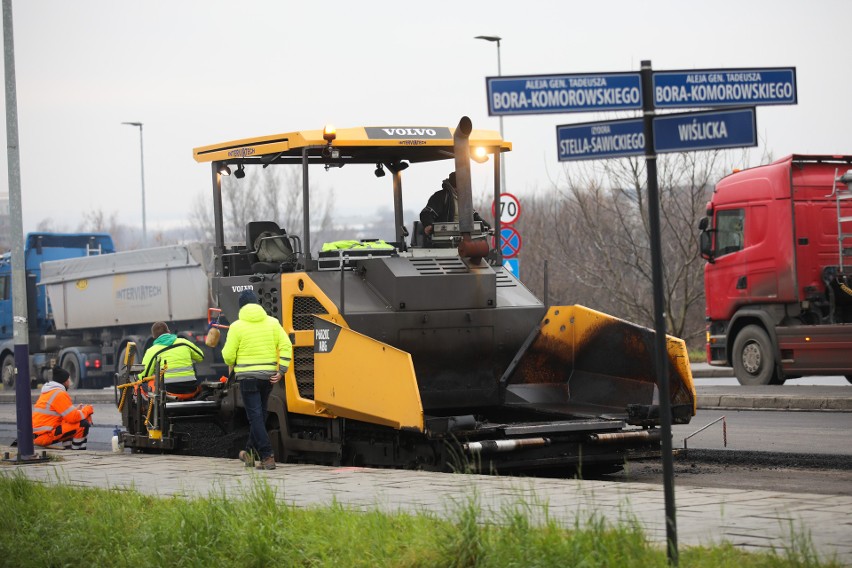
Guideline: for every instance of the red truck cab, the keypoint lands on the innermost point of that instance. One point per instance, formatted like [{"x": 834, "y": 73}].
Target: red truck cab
[{"x": 778, "y": 280}]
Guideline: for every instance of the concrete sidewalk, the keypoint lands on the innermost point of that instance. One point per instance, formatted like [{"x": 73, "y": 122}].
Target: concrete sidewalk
[{"x": 756, "y": 520}]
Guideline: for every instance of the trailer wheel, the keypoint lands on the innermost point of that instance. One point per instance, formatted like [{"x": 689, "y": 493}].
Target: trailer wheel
[
  {"x": 754, "y": 360},
  {"x": 71, "y": 365},
  {"x": 7, "y": 372}
]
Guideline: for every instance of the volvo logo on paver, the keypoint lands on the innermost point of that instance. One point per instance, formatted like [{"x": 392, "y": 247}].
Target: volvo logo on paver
[
  {"x": 406, "y": 132},
  {"x": 325, "y": 335}
]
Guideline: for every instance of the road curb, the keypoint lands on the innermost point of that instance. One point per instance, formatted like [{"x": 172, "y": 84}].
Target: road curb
[
  {"x": 774, "y": 402},
  {"x": 85, "y": 397}
]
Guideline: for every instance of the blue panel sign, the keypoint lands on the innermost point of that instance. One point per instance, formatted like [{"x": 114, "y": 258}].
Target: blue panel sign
[
  {"x": 707, "y": 130},
  {"x": 512, "y": 266},
  {"x": 725, "y": 87},
  {"x": 540, "y": 94},
  {"x": 593, "y": 140}
]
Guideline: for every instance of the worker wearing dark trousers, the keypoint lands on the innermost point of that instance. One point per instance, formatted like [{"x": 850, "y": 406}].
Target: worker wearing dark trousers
[
  {"x": 259, "y": 352},
  {"x": 56, "y": 419}
]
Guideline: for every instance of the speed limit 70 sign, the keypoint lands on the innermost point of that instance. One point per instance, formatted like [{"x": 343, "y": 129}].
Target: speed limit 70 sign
[{"x": 510, "y": 209}]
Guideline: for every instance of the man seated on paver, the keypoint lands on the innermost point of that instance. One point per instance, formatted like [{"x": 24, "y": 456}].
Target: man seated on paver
[{"x": 179, "y": 356}]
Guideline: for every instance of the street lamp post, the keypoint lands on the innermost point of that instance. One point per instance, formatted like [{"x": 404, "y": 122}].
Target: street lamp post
[
  {"x": 142, "y": 170},
  {"x": 496, "y": 39}
]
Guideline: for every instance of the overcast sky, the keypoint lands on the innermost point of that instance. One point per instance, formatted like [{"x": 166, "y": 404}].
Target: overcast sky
[{"x": 201, "y": 72}]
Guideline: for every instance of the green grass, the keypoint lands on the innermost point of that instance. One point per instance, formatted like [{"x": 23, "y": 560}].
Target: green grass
[
  {"x": 58, "y": 525},
  {"x": 697, "y": 355}
]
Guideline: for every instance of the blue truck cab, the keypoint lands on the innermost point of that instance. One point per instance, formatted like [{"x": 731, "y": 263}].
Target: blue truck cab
[{"x": 40, "y": 247}]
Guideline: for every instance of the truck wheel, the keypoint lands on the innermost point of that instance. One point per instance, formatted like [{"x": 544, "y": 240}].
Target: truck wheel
[
  {"x": 754, "y": 360},
  {"x": 71, "y": 365},
  {"x": 7, "y": 372}
]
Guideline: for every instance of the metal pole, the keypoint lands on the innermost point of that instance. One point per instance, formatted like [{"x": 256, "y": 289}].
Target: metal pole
[
  {"x": 660, "y": 354},
  {"x": 502, "y": 162},
  {"x": 218, "y": 223},
  {"x": 398, "y": 221},
  {"x": 498, "y": 188},
  {"x": 23, "y": 396},
  {"x": 142, "y": 170},
  {"x": 306, "y": 203},
  {"x": 142, "y": 174},
  {"x": 497, "y": 39}
]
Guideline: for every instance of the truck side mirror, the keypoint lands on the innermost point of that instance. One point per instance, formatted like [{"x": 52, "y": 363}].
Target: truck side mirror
[
  {"x": 705, "y": 245},
  {"x": 703, "y": 223}
]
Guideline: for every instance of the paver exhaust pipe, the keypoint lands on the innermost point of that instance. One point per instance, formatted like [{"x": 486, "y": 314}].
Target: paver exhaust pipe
[{"x": 474, "y": 250}]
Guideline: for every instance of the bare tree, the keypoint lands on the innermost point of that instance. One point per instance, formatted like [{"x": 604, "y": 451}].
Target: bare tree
[
  {"x": 125, "y": 237},
  {"x": 272, "y": 194},
  {"x": 49, "y": 225},
  {"x": 594, "y": 235}
]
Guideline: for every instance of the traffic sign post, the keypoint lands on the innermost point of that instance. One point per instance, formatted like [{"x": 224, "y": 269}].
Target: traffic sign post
[
  {"x": 660, "y": 354},
  {"x": 648, "y": 90}
]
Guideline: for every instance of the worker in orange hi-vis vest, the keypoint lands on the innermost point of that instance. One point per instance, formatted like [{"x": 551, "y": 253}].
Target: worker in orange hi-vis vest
[{"x": 56, "y": 419}]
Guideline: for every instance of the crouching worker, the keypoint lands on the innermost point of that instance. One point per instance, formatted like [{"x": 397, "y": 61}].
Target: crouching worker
[
  {"x": 56, "y": 419},
  {"x": 178, "y": 355}
]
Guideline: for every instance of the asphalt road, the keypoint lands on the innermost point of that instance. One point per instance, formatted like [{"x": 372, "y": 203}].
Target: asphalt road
[
  {"x": 820, "y": 432},
  {"x": 719, "y": 395}
]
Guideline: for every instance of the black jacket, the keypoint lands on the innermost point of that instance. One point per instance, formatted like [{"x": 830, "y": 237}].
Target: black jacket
[{"x": 441, "y": 208}]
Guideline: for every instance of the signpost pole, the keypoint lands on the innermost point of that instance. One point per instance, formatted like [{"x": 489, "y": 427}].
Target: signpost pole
[
  {"x": 23, "y": 395},
  {"x": 660, "y": 358}
]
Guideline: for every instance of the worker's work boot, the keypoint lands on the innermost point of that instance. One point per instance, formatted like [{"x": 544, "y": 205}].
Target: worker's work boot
[
  {"x": 247, "y": 458},
  {"x": 267, "y": 463}
]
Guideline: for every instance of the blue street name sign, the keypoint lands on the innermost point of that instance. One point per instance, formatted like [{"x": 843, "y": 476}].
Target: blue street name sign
[
  {"x": 540, "y": 94},
  {"x": 705, "y": 130},
  {"x": 593, "y": 140},
  {"x": 725, "y": 87}
]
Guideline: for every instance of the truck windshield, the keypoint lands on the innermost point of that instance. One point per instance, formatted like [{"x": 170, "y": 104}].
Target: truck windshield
[{"x": 729, "y": 231}]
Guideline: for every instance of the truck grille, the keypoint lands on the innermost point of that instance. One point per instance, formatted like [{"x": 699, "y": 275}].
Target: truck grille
[
  {"x": 304, "y": 308},
  {"x": 303, "y": 360}
]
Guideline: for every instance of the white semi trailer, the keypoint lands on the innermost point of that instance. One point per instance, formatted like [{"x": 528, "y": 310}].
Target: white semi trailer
[{"x": 100, "y": 303}]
